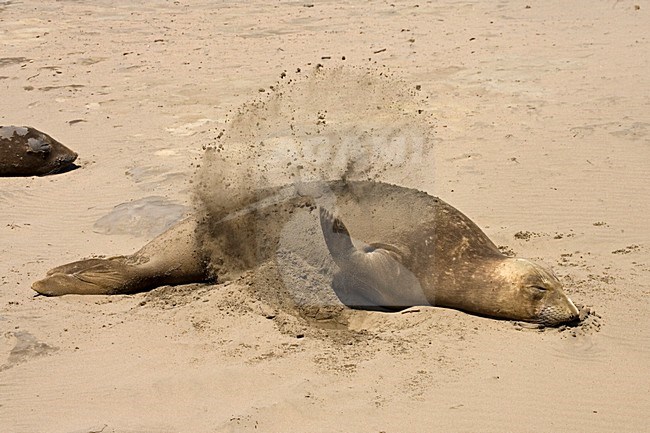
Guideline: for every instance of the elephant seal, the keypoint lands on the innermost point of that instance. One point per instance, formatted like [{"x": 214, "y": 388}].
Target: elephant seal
[
  {"x": 449, "y": 262},
  {"x": 414, "y": 249},
  {"x": 25, "y": 151}
]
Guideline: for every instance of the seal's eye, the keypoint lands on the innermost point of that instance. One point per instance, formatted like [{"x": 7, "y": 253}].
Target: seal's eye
[{"x": 539, "y": 288}]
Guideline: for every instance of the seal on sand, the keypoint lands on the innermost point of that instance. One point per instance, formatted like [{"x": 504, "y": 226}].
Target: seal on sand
[
  {"x": 25, "y": 151},
  {"x": 430, "y": 255},
  {"x": 448, "y": 263}
]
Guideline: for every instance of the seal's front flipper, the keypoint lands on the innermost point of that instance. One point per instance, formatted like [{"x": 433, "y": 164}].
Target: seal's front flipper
[
  {"x": 338, "y": 240},
  {"x": 88, "y": 277},
  {"x": 374, "y": 275}
]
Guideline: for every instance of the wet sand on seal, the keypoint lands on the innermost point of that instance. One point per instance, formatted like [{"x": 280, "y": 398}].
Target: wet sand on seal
[{"x": 541, "y": 137}]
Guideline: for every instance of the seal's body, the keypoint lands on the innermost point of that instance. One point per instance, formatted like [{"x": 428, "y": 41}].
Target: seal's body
[
  {"x": 437, "y": 256},
  {"x": 410, "y": 249},
  {"x": 25, "y": 151}
]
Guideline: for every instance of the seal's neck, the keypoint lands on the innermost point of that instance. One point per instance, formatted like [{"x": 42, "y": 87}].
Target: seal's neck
[{"x": 477, "y": 287}]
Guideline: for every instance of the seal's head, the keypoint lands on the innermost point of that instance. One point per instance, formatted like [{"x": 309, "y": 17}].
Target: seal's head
[
  {"x": 533, "y": 293},
  {"x": 26, "y": 151}
]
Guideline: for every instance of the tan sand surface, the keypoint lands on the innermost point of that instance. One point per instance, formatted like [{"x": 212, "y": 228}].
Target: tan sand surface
[{"x": 542, "y": 137}]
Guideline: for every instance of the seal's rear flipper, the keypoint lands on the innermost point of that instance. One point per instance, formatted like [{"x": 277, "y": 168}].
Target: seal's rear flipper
[
  {"x": 87, "y": 277},
  {"x": 173, "y": 257}
]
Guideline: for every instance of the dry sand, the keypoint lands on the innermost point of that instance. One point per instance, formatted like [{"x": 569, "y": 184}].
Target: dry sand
[{"x": 542, "y": 137}]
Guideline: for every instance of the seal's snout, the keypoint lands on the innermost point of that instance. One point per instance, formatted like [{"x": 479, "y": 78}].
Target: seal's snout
[
  {"x": 559, "y": 312},
  {"x": 64, "y": 153},
  {"x": 68, "y": 158},
  {"x": 63, "y": 161},
  {"x": 72, "y": 156}
]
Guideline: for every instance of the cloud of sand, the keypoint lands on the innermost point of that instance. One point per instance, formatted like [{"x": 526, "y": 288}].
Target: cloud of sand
[
  {"x": 326, "y": 124},
  {"x": 329, "y": 123}
]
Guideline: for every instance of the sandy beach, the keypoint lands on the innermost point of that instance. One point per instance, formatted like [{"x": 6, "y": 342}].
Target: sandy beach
[{"x": 538, "y": 115}]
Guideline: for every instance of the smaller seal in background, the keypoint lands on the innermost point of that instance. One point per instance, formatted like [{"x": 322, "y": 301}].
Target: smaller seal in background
[{"x": 25, "y": 151}]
